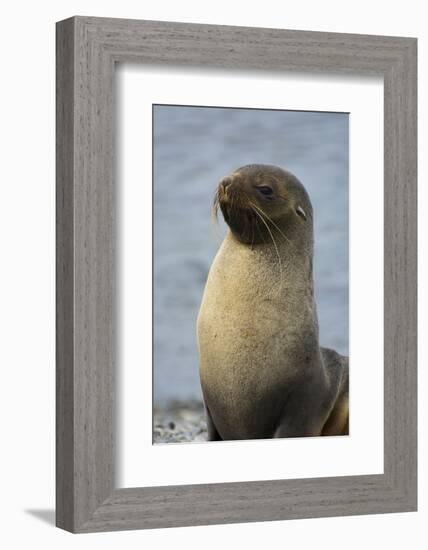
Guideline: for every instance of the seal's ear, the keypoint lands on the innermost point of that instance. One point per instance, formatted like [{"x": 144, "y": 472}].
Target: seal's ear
[{"x": 301, "y": 212}]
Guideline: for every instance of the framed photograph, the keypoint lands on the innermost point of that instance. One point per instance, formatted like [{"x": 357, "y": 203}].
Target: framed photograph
[{"x": 236, "y": 274}]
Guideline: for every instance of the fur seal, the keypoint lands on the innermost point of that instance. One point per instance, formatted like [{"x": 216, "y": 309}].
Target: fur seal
[{"x": 263, "y": 373}]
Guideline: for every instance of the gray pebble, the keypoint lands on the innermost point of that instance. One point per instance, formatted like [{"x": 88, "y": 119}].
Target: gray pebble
[{"x": 179, "y": 422}]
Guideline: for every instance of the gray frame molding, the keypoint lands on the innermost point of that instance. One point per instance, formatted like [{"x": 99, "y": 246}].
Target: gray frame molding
[{"x": 87, "y": 50}]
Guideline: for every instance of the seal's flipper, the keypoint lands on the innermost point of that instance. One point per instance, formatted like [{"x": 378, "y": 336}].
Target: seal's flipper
[
  {"x": 304, "y": 413},
  {"x": 213, "y": 434},
  {"x": 337, "y": 367}
]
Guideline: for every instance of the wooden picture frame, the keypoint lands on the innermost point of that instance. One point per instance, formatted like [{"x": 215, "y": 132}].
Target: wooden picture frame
[{"x": 87, "y": 50}]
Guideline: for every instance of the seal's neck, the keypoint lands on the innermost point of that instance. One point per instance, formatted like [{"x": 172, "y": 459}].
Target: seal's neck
[{"x": 287, "y": 256}]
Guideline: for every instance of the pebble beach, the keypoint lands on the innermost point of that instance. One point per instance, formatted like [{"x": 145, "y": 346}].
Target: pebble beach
[{"x": 179, "y": 422}]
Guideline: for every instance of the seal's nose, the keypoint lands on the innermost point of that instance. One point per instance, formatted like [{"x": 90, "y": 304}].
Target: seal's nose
[{"x": 225, "y": 182}]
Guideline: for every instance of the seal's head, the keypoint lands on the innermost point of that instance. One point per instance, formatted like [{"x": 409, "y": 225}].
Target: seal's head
[{"x": 257, "y": 199}]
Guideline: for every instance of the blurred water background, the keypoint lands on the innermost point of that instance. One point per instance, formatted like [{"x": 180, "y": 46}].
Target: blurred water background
[{"x": 194, "y": 147}]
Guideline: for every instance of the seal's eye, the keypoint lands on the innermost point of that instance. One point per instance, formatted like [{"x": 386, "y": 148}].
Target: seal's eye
[{"x": 265, "y": 190}]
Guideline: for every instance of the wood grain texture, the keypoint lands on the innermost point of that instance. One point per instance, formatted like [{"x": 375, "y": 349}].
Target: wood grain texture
[
  {"x": 87, "y": 49},
  {"x": 64, "y": 276}
]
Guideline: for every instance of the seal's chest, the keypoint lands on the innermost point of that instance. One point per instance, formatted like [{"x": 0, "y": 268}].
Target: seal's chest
[
  {"x": 243, "y": 404},
  {"x": 241, "y": 361}
]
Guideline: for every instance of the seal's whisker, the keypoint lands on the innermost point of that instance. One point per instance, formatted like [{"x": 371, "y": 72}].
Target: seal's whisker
[
  {"x": 258, "y": 229},
  {"x": 274, "y": 244},
  {"x": 214, "y": 216},
  {"x": 216, "y": 203},
  {"x": 270, "y": 220}
]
